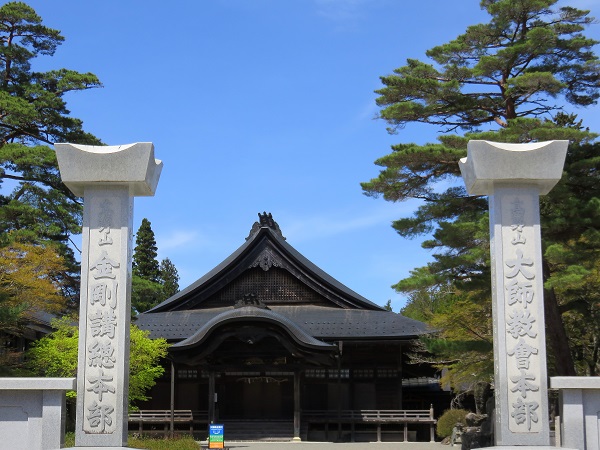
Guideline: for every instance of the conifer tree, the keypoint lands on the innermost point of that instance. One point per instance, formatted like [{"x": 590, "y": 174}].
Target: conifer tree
[
  {"x": 169, "y": 278},
  {"x": 145, "y": 264},
  {"x": 505, "y": 80},
  {"x": 151, "y": 283}
]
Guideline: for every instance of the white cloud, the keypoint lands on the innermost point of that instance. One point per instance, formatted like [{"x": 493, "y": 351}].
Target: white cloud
[
  {"x": 177, "y": 239},
  {"x": 345, "y": 13},
  {"x": 339, "y": 10},
  {"x": 369, "y": 111},
  {"x": 332, "y": 223}
]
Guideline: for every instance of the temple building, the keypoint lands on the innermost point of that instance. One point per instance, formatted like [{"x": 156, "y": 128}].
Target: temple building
[{"x": 267, "y": 336}]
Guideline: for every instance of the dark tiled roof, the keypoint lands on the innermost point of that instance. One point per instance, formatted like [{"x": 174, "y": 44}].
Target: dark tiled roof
[
  {"x": 319, "y": 322},
  {"x": 353, "y": 323}
]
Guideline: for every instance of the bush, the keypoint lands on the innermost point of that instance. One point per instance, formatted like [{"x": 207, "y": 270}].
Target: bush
[
  {"x": 178, "y": 443},
  {"x": 448, "y": 421}
]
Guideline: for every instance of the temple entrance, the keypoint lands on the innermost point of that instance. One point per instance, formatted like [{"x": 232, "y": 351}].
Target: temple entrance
[{"x": 255, "y": 396}]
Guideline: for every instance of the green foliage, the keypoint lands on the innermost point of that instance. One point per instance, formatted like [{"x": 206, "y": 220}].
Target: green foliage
[
  {"x": 144, "y": 363},
  {"x": 177, "y": 443},
  {"x": 571, "y": 223},
  {"x": 55, "y": 355},
  {"x": 508, "y": 68},
  {"x": 506, "y": 74},
  {"x": 145, "y": 294},
  {"x": 145, "y": 264},
  {"x": 448, "y": 421}
]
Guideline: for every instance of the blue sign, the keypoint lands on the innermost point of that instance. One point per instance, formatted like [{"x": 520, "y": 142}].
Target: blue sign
[{"x": 215, "y": 436}]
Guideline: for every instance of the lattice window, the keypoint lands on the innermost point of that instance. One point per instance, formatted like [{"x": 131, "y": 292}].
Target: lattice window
[
  {"x": 387, "y": 373},
  {"x": 316, "y": 373},
  {"x": 363, "y": 373},
  {"x": 344, "y": 373},
  {"x": 187, "y": 374},
  {"x": 275, "y": 286}
]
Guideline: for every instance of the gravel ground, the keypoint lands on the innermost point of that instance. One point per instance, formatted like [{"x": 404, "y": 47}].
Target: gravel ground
[{"x": 336, "y": 446}]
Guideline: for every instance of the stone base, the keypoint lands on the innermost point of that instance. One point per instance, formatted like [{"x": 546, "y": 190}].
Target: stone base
[
  {"x": 32, "y": 412},
  {"x": 528, "y": 447}
]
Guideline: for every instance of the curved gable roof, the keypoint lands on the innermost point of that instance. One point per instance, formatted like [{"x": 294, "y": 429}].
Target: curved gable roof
[
  {"x": 257, "y": 250},
  {"x": 254, "y": 314}
]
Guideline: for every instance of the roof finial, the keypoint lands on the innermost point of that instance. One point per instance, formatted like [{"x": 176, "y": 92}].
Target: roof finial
[{"x": 265, "y": 220}]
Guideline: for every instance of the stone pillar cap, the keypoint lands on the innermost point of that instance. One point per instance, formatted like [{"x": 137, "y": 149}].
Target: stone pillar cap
[
  {"x": 130, "y": 165},
  {"x": 575, "y": 382},
  {"x": 38, "y": 384},
  {"x": 491, "y": 163}
]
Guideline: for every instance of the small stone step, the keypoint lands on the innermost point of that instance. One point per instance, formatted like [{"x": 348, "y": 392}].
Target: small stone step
[{"x": 263, "y": 431}]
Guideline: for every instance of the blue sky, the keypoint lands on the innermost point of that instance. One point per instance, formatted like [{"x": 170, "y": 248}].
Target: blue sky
[{"x": 261, "y": 105}]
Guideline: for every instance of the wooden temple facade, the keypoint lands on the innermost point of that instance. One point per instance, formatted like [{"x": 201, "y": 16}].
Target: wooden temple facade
[{"x": 267, "y": 336}]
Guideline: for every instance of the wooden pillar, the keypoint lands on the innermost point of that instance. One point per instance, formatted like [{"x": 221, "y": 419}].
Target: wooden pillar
[
  {"x": 172, "y": 432},
  {"x": 211, "y": 397},
  {"x": 297, "y": 410},
  {"x": 339, "y": 392},
  {"x": 400, "y": 375}
]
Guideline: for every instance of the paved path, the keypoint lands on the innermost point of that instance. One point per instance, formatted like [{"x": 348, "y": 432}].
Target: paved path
[{"x": 337, "y": 446}]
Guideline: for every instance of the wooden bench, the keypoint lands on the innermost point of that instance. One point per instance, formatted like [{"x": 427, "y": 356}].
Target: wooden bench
[
  {"x": 376, "y": 417},
  {"x": 150, "y": 421}
]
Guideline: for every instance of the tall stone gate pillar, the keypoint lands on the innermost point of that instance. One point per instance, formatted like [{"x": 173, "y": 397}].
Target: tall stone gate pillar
[
  {"x": 514, "y": 176},
  {"x": 107, "y": 178}
]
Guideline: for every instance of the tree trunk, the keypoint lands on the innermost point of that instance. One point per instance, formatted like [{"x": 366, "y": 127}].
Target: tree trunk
[{"x": 563, "y": 359}]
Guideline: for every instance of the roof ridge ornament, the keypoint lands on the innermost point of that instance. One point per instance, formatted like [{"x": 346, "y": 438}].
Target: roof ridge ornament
[
  {"x": 265, "y": 220},
  {"x": 266, "y": 260},
  {"x": 250, "y": 299}
]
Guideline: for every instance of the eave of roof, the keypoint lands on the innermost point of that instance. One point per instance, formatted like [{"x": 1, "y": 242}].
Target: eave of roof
[{"x": 321, "y": 323}]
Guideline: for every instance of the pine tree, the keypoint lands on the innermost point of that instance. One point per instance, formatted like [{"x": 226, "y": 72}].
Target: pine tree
[
  {"x": 498, "y": 81},
  {"x": 145, "y": 264},
  {"x": 37, "y": 212}
]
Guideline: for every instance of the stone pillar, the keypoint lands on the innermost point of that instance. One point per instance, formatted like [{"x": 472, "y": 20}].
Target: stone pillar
[
  {"x": 108, "y": 177},
  {"x": 514, "y": 175}
]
